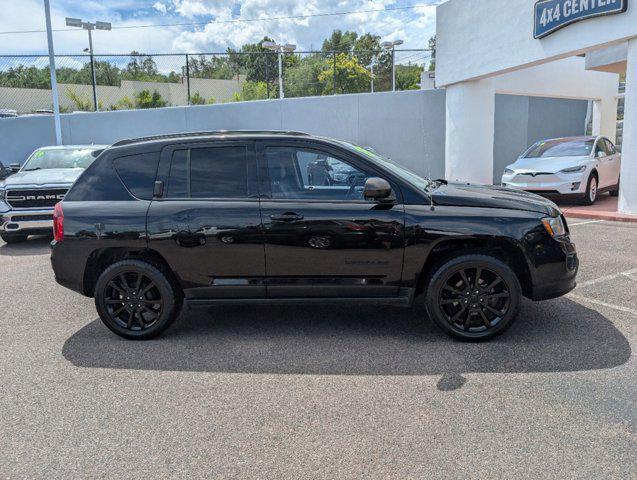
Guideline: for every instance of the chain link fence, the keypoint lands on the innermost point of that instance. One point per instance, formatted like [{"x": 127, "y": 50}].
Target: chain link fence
[{"x": 123, "y": 82}]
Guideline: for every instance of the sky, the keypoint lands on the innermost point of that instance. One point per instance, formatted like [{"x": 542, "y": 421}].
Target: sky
[{"x": 415, "y": 25}]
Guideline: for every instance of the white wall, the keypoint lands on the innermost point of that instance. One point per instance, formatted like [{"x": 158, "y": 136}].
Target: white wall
[
  {"x": 406, "y": 126},
  {"x": 480, "y": 38},
  {"x": 471, "y": 114}
]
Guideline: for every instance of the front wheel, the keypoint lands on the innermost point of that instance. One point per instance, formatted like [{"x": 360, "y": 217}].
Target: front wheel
[
  {"x": 591, "y": 191},
  {"x": 135, "y": 300},
  {"x": 473, "y": 297}
]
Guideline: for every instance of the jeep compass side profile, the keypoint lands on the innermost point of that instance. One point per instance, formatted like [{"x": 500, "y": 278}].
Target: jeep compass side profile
[{"x": 240, "y": 217}]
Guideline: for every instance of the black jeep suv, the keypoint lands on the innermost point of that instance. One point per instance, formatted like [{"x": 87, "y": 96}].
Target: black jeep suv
[{"x": 236, "y": 217}]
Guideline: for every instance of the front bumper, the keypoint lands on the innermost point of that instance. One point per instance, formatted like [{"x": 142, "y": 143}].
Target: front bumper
[
  {"x": 27, "y": 221},
  {"x": 552, "y": 183},
  {"x": 556, "y": 277}
]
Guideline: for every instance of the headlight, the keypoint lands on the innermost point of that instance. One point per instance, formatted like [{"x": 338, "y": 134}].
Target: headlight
[
  {"x": 508, "y": 171},
  {"x": 555, "y": 226},
  {"x": 577, "y": 169}
]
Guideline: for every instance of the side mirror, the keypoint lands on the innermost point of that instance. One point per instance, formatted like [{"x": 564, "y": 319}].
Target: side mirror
[
  {"x": 601, "y": 154},
  {"x": 377, "y": 189},
  {"x": 14, "y": 167}
]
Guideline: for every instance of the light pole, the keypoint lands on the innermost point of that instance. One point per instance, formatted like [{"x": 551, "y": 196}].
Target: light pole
[
  {"x": 54, "y": 83},
  {"x": 371, "y": 68},
  {"x": 280, "y": 50},
  {"x": 392, "y": 46},
  {"x": 76, "y": 22}
]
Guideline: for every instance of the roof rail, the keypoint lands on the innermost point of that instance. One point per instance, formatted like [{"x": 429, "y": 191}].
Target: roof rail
[{"x": 129, "y": 141}]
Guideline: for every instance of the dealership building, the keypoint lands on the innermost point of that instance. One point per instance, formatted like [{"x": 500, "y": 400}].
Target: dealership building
[{"x": 573, "y": 49}]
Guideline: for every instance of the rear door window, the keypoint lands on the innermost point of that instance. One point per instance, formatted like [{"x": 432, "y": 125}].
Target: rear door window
[
  {"x": 138, "y": 173},
  {"x": 224, "y": 171},
  {"x": 219, "y": 172}
]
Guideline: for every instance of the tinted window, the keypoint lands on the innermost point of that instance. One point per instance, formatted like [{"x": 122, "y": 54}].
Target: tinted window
[
  {"x": 178, "y": 180},
  {"x": 138, "y": 173},
  {"x": 610, "y": 148},
  {"x": 313, "y": 175},
  {"x": 560, "y": 148},
  {"x": 219, "y": 172}
]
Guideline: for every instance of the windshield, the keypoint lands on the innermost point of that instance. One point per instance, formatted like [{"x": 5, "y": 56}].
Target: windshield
[
  {"x": 420, "y": 182},
  {"x": 59, "y": 158},
  {"x": 560, "y": 148}
]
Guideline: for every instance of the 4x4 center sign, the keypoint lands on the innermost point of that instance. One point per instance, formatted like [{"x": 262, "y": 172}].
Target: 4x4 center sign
[{"x": 551, "y": 15}]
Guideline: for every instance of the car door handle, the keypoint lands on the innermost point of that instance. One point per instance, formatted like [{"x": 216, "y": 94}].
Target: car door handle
[{"x": 286, "y": 217}]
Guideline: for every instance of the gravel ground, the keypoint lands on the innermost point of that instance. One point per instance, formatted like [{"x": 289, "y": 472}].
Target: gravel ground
[{"x": 320, "y": 392}]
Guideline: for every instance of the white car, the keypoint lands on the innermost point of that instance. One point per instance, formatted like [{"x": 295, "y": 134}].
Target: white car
[{"x": 578, "y": 167}]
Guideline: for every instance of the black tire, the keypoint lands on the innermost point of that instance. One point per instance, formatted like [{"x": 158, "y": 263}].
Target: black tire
[
  {"x": 592, "y": 186},
  {"x": 456, "y": 314},
  {"x": 154, "y": 301},
  {"x": 14, "y": 237}
]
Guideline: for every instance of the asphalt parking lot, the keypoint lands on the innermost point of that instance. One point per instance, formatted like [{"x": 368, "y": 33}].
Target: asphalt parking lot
[{"x": 289, "y": 392}]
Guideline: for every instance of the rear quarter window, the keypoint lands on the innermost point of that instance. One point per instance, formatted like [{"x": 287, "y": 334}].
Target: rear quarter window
[{"x": 138, "y": 173}]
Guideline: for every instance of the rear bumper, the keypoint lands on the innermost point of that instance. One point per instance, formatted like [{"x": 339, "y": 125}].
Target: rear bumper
[{"x": 27, "y": 221}]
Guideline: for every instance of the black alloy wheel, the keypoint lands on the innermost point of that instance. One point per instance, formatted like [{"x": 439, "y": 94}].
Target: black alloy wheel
[
  {"x": 473, "y": 297},
  {"x": 135, "y": 300}
]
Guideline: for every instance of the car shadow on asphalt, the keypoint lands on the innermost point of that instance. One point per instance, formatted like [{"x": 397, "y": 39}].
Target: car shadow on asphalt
[
  {"x": 554, "y": 336},
  {"x": 39, "y": 245}
]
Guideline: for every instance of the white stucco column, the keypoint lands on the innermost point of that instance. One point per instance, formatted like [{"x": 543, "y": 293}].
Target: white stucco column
[
  {"x": 470, "y": 117},
  {"x": 628, "y": 187}
]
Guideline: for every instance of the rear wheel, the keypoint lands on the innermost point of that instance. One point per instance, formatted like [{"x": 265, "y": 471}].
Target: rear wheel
[
  {"x": 473, "y": 297},
  {"x": 14, "y": 237},
  {"x": 591, "y": 191},
  {"x": 136, "y": 300}
]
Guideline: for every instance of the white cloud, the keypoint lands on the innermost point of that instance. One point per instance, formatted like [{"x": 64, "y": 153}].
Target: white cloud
[
  {"x": 414, "y": 26},
  {"x": 160, "y": 7}
]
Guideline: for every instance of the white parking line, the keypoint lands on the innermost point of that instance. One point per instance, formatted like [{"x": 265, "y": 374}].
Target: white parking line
[
  {"x": 604, "y": 304},
  {"x": 627, "y": 273},
  {"x": 584, "y": 223}
]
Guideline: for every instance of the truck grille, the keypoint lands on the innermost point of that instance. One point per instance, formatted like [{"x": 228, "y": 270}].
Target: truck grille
[{"x": 34, "y": 198}]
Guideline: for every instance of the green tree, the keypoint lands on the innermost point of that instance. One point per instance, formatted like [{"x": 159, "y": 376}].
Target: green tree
[
  {"x": 145, "y": 99},
  {"x": 197, "y": 99},
  {"x": 340, "y": 42},
  {"x": 214, "y": 67},
  {"x": 251, "y": 91},
  {"x": 408, "y": 77},
  {"x": 303, "y": 80},
  {"x": 351, "y": 76},
  {"x": 367, "y": 47},
  {"x": 83, "y": 104}
]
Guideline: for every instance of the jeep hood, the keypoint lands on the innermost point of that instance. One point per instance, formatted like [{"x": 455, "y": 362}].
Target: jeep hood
[
  {"x": 43, "y": 177},
  {"x": 486, "y": 196}
]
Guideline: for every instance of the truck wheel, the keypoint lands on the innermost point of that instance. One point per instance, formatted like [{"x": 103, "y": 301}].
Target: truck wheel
[
  {"x": 136, "y": 300},
  {"x": 14, "y": 237},
  {"x": 473, "y": 297},
  {"x": 591, "y": 191}
]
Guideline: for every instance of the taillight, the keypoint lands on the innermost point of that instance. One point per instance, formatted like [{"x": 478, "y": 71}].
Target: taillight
[{"x": 58, "y": 222}]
